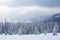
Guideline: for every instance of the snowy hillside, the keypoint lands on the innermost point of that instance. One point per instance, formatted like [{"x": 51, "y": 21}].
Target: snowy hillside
[{"x": 49, "y": 36}]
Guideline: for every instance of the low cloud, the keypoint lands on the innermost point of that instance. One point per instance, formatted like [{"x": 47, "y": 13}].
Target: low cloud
[{"x": 14, "y": 12}]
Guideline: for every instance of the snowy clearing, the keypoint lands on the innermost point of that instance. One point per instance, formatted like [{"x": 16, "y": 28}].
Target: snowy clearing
[{"x": 49, "y": 36}]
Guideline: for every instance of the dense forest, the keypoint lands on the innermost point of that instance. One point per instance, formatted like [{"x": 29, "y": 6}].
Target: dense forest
[{"x": 9, "y": 28}]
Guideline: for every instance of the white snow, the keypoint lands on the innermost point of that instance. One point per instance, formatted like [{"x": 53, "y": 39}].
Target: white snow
[{"x": 49, "y": 36}]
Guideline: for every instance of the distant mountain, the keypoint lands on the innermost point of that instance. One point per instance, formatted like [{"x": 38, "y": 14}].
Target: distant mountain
[{"x": 55, "y": 17}]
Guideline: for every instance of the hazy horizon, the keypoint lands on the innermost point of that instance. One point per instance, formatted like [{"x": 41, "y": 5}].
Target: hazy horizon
[{"x": 20, "y": 10}]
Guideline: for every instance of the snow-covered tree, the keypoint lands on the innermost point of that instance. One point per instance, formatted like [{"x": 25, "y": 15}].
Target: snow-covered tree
[
  {"x": 0, "y": 28},
  {"x": 5, "y": 32},
  {"x": 20, "y": 31},
  {"x": 45, "y": 32},
  {"x": 55, "y": 29},
  {"x": 36, "y": 31}
]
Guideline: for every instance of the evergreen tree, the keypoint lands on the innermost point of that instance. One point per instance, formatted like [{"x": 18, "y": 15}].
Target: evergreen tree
[
  {"x": 55, "y": 29},
  {"x": 20, "y": 31},
  {"x": 36, "y": 31}
]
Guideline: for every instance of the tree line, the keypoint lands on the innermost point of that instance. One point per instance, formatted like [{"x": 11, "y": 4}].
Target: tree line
[{"x": 9, "y": 28}]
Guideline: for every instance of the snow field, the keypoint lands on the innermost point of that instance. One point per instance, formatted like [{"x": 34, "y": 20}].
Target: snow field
[{"x": 49, "y": 36}]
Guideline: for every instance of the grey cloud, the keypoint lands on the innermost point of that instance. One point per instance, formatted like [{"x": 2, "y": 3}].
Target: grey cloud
[{"x": 45, "y": 3}]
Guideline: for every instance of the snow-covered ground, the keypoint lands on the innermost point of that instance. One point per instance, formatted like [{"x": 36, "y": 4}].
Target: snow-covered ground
[{"x": 49, "y": 36}]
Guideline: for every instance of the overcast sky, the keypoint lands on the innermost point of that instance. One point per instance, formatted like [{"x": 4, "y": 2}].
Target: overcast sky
[{"x": 25, "y": 9}]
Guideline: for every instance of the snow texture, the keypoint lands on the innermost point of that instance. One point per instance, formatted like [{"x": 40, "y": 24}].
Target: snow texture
[{"x": 49, "y": 36}]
